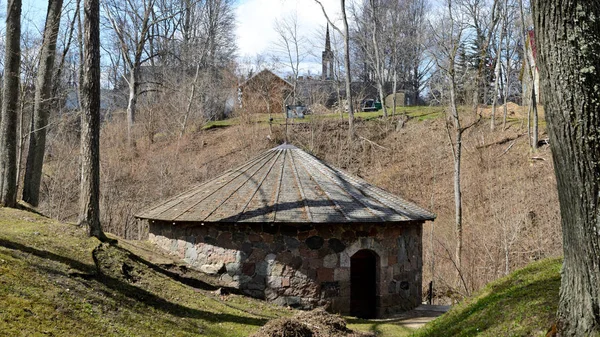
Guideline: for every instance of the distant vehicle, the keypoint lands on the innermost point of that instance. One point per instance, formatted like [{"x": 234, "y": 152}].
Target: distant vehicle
[
  {"x": 295, "y": 111},
  {"x": 370, "y": 105}
]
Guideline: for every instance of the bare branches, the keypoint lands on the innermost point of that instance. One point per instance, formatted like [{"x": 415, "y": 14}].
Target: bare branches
[{"x": 327, "y": 18}]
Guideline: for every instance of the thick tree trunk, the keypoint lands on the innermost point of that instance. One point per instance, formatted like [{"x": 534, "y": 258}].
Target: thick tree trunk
[
  {"x": 568, "y": 45},
  {"x": 42, "y": 105},
  {"x": 89, "y": 199},
  {"x": 351, "y": 133},
  {"x": 10, "y": 104}
]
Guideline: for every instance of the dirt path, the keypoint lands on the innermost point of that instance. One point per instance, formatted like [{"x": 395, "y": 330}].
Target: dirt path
[{"x": 419, "y": 316}]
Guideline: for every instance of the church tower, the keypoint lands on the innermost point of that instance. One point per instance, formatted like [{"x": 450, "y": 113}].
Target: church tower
[{"x": 327, "y": 59}]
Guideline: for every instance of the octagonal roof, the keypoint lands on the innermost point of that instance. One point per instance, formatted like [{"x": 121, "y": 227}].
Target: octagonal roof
[{"x": 286, "y": 185}]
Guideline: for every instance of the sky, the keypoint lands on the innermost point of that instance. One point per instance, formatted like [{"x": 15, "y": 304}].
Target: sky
[
  {"x": 256, "y": 19},
  {"x": 255, "y": 22}
]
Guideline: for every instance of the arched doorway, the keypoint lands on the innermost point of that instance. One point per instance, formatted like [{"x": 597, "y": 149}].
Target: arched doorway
[{"x": 363, "y": 284}]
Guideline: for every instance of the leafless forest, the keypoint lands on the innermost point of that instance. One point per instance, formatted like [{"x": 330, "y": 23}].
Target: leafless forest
[{"x": 170, "y": 67}]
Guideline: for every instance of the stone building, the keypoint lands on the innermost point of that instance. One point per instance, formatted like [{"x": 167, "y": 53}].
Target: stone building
[{"x": 290, "y": 229}]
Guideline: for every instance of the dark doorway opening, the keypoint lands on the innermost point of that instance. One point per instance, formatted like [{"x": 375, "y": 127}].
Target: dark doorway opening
[{"x": 363, "y": 284}]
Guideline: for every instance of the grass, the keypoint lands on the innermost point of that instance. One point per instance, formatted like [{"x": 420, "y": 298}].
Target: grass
[
  {"x": 521, "y": 304},
  {"x": 421, "y": 113},
  {"x": 219, "y": 124},
  {"x": 49, "y": 286}
]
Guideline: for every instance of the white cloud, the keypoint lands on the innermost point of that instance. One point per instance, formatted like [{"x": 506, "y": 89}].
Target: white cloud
[{"x": 256, "y": 19}]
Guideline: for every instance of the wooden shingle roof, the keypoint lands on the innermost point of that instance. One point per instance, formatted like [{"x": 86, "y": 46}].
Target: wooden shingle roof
[{"x": 286, "y": 185}]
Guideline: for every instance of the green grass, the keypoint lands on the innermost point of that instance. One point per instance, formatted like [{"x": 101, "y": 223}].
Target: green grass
[
  {"x": 49, "y": 286},
  {"x": 521, "y": 304},
  {"x": 219, "y": 124},
  {"x": 421, "y": 113}
]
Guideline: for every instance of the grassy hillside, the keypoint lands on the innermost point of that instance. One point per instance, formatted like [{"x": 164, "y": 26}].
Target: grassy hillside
[
  {"x": 50, "y": 286},
  {"x": 521, "y": 304}
]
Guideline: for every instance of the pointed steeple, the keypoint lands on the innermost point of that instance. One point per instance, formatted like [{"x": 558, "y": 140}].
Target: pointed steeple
[
  {"x": 327, "y": 58},
  {"x": 327, "y": 41}
]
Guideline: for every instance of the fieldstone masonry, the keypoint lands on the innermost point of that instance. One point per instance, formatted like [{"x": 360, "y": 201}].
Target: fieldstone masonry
[{"x": 303, "y": 265}]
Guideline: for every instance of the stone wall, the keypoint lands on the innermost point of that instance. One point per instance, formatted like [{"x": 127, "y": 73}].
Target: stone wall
[{"x": 305, "y": 265}]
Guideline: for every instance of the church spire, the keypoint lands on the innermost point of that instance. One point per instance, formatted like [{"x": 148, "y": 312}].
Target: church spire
[
  {"x": 327, "y": 41},
  {"x": 327, "y": 58}
]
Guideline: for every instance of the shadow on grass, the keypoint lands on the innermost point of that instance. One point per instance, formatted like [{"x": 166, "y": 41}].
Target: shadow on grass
[
  {"x": 135, "y": 294},
  {"x": 73, "y": 264}
]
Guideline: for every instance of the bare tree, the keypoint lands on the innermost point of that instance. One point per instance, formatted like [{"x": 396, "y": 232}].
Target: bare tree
[
  {"x": 498, "y": 67},
  {"x": 484, "y": 18},
  {"x": 511, "y": 16},
  {"x": 291, "y": 44},
  {"x": 568, "y": 45},
  {"x": 132, "y": 21},
  {"x": 449, "y": 37},
  {"x": 346, "y": 35},
  {"x": 528, "y": 68},
  {"x": 42, "y": 104},
  {"x": 376, "y": 13},
  {"x": 400, "y": 59},
  {"x": 89, "y": 198},
  {"x": 10, "y": 103}
]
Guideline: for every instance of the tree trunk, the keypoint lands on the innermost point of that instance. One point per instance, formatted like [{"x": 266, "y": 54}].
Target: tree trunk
[
  {"x": 42, "y": 105},
  {"x": 351, "y": 133},
  {"x": 394, "y": 90},
  {"x": 378, "y": 63},
  {"x": 497, "y": 78},
  {"x": 190, "y": 101},
  {"x": 568, "y": 45},
  {"x": 480, "y": 82},
  {"x": 10, "y": 100},
  {"x": 65, "y": 51},
  {"x": 496, "y": 92},
  {"x": 80, "y": 69},
  {"x": 457, "y": 154},
  {"x": 132, "y": 102},
  {"x": 458, "y": 199},
  {"x": 89, "y": 203},
  {"x": 506, "y": 87},
  {"x": 535, "y": 117}
]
